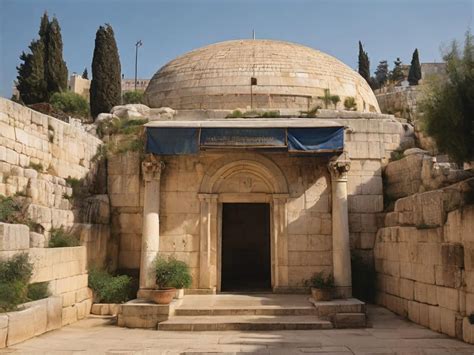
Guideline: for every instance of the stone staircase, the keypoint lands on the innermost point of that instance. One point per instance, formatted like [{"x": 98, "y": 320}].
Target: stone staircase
[{"x": 263, "y": 312}]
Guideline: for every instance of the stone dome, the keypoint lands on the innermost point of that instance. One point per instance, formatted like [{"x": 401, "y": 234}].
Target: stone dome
[{"x": 286, "y": 76}]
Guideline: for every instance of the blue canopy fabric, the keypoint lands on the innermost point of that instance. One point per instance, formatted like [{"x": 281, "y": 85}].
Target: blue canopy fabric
[
  {"x": 243, "y": 137},
  {"x": 320, "y": 139},
  {"x": 184, "y": 140}
]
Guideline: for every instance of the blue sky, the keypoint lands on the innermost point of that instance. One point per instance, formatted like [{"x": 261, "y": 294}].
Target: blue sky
[{"x": 387, "y": 28}]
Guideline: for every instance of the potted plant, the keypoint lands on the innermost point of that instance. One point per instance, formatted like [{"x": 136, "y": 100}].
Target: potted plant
[
  {"x": 322, "y": 286},
  {"x": 171, "y": 274}
]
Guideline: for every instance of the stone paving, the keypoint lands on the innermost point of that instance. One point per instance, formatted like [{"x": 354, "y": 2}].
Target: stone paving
[{"x": 390, "y": 334}]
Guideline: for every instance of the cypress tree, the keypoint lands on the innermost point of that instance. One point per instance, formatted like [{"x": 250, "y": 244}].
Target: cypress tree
[
  {"x": 31, "y": 83},
  {"x": 55, "y": 67},
  {"x": 414, "y": 75},
  {"x": 43, "y": 71},
  {"x": 85, "y": 74},
  {"x": 364, "y": 63},
  {"x": 105, "y": 91}
]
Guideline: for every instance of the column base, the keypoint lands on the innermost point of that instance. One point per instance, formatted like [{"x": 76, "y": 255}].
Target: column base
[
  {"x": 145, "y": 293},
  {"x": 343, "y": 292}
]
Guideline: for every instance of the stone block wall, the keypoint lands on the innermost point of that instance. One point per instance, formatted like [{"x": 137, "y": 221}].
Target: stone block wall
[
  {"x": 65, "y": 270},
  {"x": 400, "y": 100},
  {"x": 37, "y": 155},
  {"x": 423, "y": 259}
]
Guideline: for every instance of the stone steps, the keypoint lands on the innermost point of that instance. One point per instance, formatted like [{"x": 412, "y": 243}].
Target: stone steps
[
  {"x": 255, "y": 311},
  {"x": 244, "y": 322}
]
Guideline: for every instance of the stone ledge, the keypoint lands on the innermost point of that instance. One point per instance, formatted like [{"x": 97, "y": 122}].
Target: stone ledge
[{"x": 140, "y": 313}]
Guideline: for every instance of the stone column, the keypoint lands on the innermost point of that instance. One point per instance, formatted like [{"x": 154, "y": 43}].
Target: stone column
[
  {"x": 208, "y": 241},
  {"x": 341, "y": 252},
  {"x": 151, "y": 169}
]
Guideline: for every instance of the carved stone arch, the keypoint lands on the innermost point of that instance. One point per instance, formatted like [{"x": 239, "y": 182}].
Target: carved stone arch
[
  {"x": 217, "y": 187},
  {"x": 253, "y": 164}
]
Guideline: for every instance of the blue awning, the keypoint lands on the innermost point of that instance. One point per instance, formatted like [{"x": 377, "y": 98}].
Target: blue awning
[{"x": 190, "y": 140}]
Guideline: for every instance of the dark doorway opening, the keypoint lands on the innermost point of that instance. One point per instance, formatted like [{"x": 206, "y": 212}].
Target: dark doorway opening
[{"x": 245, "y": 247}]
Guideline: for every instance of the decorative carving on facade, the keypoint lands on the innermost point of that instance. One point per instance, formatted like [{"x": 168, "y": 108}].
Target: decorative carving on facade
[
  {"x": 339, "y": 167},
  {"x": 152, "y": 167}
]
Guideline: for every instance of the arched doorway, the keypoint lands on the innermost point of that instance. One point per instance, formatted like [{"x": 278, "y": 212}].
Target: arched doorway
[{"x": 231, "y": 184}]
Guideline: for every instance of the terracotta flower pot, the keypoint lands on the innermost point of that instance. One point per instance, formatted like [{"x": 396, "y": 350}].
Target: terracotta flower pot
[
  {"x": 163, "y": 296},
  {"x": 321, "y": 294}
]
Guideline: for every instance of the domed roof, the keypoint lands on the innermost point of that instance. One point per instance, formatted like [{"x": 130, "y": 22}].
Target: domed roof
[{"x": 285, "y": 76}]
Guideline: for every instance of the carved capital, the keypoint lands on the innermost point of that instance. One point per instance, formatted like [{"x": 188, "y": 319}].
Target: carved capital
[
  {"x": 152, "y": 167},
  {"x": 339, "y": 167}
]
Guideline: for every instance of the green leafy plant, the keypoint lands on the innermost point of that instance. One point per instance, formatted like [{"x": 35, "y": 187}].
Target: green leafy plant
[
  {"x": 320, "y": 280},
  {"x": 328, "y": 98},
  {"x": 71, "y": 103},
  {"x": 170, "y": 272},
  {"x": 13, "y": 210},
  {"x": 38, "y": 291},
  {"x": 350, "y": 103},
  {"x": 36, "y": 166},
  {"x": 15, "y": 273},
  {"x": 396, "y": 155},
  {"x": 109, "y": 288},
  {"x": 133, "y": 97},
  {"x": 60, "y": 238},
  {"x": 235, "y": 114},
  {"x": 448, "y": 104}
]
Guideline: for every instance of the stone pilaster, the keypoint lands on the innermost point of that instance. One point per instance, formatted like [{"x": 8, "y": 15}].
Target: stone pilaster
[
  {"x": 151, "y": 170},
  {"x": 208, "y": 241},
  {"x": 280, "y": 242},
  {"x": 338, "y": 167}
]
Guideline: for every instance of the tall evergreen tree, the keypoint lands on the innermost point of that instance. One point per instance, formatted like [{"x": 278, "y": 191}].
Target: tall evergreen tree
[
  {"x": 396, "y": 75},
  {"x": 414, "y": 75},
  {"x": 381, "y": 73},
  {"x": 43, "y": 71},
  {"x": 85, "y": 74},
  {"x": 364, "y": 63},
  {"x": 55, "y": 67},
  {"x": 31, "y": 83},
  {"x": 105, "y": 91}
]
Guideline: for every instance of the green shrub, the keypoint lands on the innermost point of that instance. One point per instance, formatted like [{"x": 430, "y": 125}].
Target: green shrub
[
  {"x": 38, "y": 291},
  {"x": 396, "y": 155},
  {"x": 9, "y": 209},
  {"x": 11, "y": 295},
  {"x": 60, "y": 238},
  {"x": 38, "y": 167},
  {"x": 235, "y": 114},
  {"x": 15, "y": 273},
  {"x": 320, "y": 280},
  {"x": 17, "y": 268},
  {"x": 350, "y": 103},
  {"x": 171, "y": 272},
  {"x": 133, "y": 97},
  {"x": 109, "y": 288},
  {"x": 70, "y": 103}
]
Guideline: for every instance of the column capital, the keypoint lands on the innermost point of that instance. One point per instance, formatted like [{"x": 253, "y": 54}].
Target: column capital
[
  {"x": 152, "y": 167},
  {"x": 339, "y": 166}
]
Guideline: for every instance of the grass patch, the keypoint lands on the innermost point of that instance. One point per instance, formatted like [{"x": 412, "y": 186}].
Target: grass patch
[{"x": 60, "y": 238}]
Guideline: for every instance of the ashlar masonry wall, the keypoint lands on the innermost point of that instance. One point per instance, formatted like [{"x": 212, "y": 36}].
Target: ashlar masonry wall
[
  {"x": 424, "y": 259},
  {"x": 370, "y": 138}
]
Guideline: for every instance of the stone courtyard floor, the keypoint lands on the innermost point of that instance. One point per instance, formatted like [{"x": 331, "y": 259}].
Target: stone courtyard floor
[{"x": 389, "y": 334}]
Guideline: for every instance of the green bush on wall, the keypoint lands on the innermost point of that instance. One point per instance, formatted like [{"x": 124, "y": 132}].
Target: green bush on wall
[
  {"x": 108, "y": 288},
  {"x": 71, "y": 103},
  {"x": 60, "y": 238}
]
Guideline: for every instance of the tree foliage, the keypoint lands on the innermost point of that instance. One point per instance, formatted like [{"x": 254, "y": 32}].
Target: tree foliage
[
  {"x": 85, "y": 74},
  {"x": 396, "y": 75},
  {"x": 414, "y": 75},
  {"x": 381, "y": 73},
  {"x": 105, "y": 91},
  {"x": 70, "y": 103},
  {"x": 43, "y": 71},
  {"x": 133, "y": 97},
  {"x": 448, "y": 105},
  {"x": 364, "y": 63}
]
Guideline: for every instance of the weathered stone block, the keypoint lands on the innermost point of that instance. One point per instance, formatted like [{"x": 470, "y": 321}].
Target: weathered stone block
[
  {"x": 448, "y": 298},
  {"x": 452, "y": 254},
  {"x": 21, "y": 326},
  {"x": 69, "y": 315},
  {"x": 14, "y": 237},
  {"x": 447, "y": 321},
  {"x": 435, "y": 318},
  {"x": 425, "y": 293},
  {"x": 54, "y": 313},
  {"x": 3, "y": 330}
]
